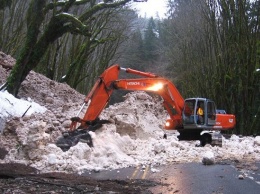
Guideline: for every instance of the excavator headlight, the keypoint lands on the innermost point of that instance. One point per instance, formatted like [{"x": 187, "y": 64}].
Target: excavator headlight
[
  {"x": 168, "y": 124},
  {"x": 156, "y": 87}
]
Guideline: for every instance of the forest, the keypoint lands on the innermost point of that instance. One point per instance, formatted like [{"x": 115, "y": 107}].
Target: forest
[{"x": 208, "y": 48}]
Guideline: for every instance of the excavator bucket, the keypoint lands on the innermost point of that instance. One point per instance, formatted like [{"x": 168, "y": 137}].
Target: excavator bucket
[{"x": 72, "y": 138}]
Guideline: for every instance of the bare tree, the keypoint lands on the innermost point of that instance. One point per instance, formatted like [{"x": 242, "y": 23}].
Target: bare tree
[
  {"x": 237, "y": 42},
  {"x": 58, "y": 23},
  {"x": 12, "y": 28}
]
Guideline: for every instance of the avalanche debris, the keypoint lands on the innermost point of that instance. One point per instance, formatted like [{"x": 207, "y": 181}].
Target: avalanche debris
[{"x": 135, "y": 136}]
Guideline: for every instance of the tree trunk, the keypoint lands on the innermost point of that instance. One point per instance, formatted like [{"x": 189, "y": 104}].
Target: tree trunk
[
  {"x": 34, "y": 50},
  {"x": 23, "y": 65}
]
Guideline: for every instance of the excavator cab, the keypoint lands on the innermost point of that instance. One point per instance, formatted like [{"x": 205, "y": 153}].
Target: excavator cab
[{"x": 199, "y": 113}]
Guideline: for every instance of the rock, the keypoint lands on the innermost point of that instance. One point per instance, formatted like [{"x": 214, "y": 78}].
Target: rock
[
  {"x": 56, "y": 123},
  {"x": 153, "y": 170},
  {"x": 241, "y": 177},
  {"x": 142, "y": 96},
  {"x": 257, "y": 141},
  {"x": 159, "y": 148},
  {"x": 81, "y": 151},
  {"x": 52, "y": 159},
  {"x": 177, "y": 144},
  {"x": 3, "y": 153},
  {"x": 208, "y": 158},
  {"x": 11, "y": 126},
  {"x": 6, "y": 61},
  {"x": 65, "y": 108},
  {"x": 52, "y": 83},
  {"x": 26, "y": 118},
  {"x": 49, "y": 100},
  {"x": 126, "y": 124},
  {"x": 66, "y": 124}
]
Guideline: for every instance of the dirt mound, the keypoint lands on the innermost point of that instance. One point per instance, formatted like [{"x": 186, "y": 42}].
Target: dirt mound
[
  {"x": 57, "y": 97},
  {"x": 34, "y": 130},
  {"x": 40, "y": 89}
]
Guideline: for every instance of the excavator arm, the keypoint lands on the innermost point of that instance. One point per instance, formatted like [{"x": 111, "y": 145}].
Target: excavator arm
[{"x": 108, "y": 81}]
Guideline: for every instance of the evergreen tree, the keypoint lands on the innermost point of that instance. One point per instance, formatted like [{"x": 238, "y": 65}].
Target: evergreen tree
[{"x": 151, "y": 41}]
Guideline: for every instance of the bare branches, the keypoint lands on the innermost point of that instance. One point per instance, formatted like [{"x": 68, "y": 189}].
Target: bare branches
[
  {"x": 65, "y": 5},
  {"x": 5, "y": 3},
  {"x": 73, "y": 23},
  {"x": 101, "y": 6},
  {"x": 47, "y": 22}
]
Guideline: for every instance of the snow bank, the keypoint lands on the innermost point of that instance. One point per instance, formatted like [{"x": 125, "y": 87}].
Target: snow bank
[{"x": 13, "y": 107}]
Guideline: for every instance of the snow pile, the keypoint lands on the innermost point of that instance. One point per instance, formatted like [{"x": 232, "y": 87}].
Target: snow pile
[
  {"x": 135, "y": 136},
  {"x": 139, "y": 116},
  {"x": 11, "y": 106},
  {"x": 257, "y": 141}
]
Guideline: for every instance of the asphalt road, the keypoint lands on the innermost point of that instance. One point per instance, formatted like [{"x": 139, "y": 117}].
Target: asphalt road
[{"x": 191, "y": 178}]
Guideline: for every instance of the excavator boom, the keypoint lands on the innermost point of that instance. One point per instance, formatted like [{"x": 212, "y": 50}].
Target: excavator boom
[{"x": 108, "y": 81}]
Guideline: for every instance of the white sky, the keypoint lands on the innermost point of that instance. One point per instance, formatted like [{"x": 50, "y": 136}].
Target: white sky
[{"x": 151, "y": 8}]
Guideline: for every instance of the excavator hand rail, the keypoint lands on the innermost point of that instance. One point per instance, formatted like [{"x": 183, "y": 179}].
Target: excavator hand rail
[{"x": 141, "y": 73}]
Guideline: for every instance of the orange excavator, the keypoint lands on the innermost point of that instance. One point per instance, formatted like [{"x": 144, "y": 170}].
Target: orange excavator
[{"x": 183, "y": 114}]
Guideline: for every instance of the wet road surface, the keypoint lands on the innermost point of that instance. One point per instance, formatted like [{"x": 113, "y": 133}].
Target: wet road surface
[
  {"x": 191, "y": 178},
  {"x": 200, "y": 179}
]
